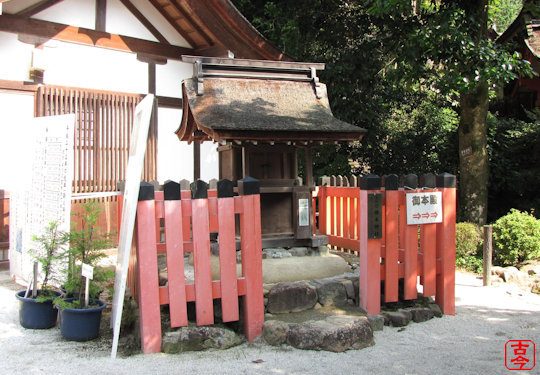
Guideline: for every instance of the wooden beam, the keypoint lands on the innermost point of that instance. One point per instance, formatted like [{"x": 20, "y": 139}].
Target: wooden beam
[
  {"x": 17, "y": 86},
  {"x": 196, "y": 161},
  {"x": 173, "y": 23},
  {"x": 101, "y": 15},
  {"x": 189, "y": 18},
  {"x": 142, "y": 19},
  {"x": 37, "y": 7},
  {"x": 151, "y": 78},
  {"x": 168, "y": 102},
  {"x": 79, "y": 35}
]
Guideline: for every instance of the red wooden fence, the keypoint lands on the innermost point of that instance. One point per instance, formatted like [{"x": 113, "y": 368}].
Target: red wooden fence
[
  {"x": 172, "y": 209},
  {"x": 402, "y": 251}
]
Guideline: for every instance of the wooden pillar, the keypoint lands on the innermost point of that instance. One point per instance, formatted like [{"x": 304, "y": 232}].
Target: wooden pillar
[
  {"x": 101, "y": 15},
  {"x": 446, "y": 245},
  {"x": 196, "y": 161},
  {"x": 309, "y": 167}
]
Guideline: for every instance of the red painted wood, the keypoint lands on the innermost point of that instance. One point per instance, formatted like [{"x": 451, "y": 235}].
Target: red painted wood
[
  {"x": 158, "y": 215},
  {"x": 402, "y": 219},
  {"x": 352, "y": 221},
  {"x": 370, "y": 249},
  {"x": 346, "y": 218},
  {"x": 213, "y": 209},
  {"x": 227, "y": 259},
  {"x": 429, "y": 259},
  {"x": 250, "y": 230},
  {"x": 391, "y": 246},
  {"x": 185, "y": 196},
  {"x": 190, "y": 291},
  {"x": 201, "y": 262},
  {"x": 332, "y": 229},
  {"x": 147, "y": 272},
  {"x": 411, "y": 262},
  {"x": 339, "y": 216},
  {"x": 323, "y": 210},
  {"x": 175, "y": 263},
  {"x": 446, "y": 252}
]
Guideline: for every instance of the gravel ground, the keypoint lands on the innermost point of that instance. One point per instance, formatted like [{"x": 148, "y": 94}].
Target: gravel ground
[{"x": 471, "y": 342}]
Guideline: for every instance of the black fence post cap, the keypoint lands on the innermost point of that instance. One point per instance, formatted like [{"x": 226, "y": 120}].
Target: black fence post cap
[
  {"x": 370, "y": 182},
  {"x": 446, "y": 180},
  {"x": 411, "y": 181},
  {"x": 225, "y": 188},
  {"x": 428, "y": 180},
  {"x": 146, "y": 191},
  {"x": 391, "y": 182},
  {"x": 248, "y": 186},
  {"x": 199, "y": 190},
  {"x": 171, "y": 191}
]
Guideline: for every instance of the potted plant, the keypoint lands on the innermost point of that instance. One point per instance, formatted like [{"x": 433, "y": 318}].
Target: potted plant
[
  {"x": 80, "y": 310},
  {"x": 36, "y": 308}
]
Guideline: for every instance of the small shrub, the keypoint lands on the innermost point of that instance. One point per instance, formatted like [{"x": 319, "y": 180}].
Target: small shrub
[
  {"x": 469, "y": 247},
  {"x": 516, "y": 238}
]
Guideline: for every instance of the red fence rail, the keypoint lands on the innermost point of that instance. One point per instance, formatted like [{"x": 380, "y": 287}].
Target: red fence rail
[
  {"x": 402, "y": 251},
  {"x": 169, "y": 209}
]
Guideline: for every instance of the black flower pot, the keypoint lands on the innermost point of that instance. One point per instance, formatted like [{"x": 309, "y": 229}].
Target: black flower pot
[
  {"x": 81, "y": 324},
  {"x": 34, "y": 314}
]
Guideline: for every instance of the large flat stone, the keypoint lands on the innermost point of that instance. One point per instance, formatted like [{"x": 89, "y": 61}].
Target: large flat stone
[
  {"x": 330, "y": 291},
  {"x": 291, "y": 297},
  {"x": 336, "y": 334},
  {"x": 199, "y": 338}
]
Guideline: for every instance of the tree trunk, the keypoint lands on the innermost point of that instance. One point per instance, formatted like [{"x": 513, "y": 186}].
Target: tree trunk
[{"x": 473, "y": 157}]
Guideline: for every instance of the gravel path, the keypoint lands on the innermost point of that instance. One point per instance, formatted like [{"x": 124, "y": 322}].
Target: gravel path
[{"x": 472, "y": 342}]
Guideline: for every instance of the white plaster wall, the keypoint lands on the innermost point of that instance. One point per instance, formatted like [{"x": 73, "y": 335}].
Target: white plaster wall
[
  {"x": 68, "y": 64},
  {"x": 15, "y": 111}
]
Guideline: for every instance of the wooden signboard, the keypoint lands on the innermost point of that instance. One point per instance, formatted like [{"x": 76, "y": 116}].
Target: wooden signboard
[
  {"x": 137, "y": 149},
  {"x": 42, "y": 192}
]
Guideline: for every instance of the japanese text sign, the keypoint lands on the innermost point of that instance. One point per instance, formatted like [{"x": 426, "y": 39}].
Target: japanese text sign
[{"x": 424, "y": 208}]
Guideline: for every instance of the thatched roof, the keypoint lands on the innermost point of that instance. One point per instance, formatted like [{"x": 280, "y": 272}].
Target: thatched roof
[{"x": 261, "y": 109}]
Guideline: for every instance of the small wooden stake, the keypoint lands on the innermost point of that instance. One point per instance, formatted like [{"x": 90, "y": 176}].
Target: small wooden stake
[
  {"x": 34, "y": 282},
  {"x": 488, "y": 252},
  {"x": 86, "y": 292}
]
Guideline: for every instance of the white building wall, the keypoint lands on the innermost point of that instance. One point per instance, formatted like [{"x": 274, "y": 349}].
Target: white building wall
[{"x": 69, "y": 64}]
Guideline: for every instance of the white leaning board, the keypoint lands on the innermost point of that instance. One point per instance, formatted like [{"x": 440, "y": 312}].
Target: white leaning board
[{"x": 137, "y": 149}]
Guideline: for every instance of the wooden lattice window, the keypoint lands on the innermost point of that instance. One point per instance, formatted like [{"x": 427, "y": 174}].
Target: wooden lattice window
[{"x": 102, "y": 133}]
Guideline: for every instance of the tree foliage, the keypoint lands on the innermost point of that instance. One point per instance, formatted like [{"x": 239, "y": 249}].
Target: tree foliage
[{"x": 417, "y": 75}]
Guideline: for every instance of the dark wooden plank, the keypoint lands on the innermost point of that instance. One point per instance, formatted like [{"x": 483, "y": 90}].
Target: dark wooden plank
[
  {"x": 79, "y": 35},
  {"x": 146, "y": 23},
  {"x": 101, "y": 15}
]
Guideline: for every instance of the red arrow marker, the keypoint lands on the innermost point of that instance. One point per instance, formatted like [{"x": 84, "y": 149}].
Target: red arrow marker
[
  {"x": 416, "y": 216},
  {"x": 425, "y": 216},
  {"x": 434, "y": 214}
]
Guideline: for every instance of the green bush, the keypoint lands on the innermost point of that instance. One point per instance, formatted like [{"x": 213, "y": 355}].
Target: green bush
[
  {"x": 516, "y": 238},
  {"x": 469, "y": 247}
]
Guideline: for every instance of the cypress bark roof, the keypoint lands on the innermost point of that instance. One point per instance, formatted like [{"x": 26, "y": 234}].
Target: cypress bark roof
[{"x": 261, "y": 109}]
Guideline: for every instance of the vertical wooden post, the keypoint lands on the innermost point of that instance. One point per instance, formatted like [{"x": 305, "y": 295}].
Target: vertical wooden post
[
  {"x": 147, "y": 271},
  {"x": 227, "y": 251},
  {"x": 323, "y": 208},
  {"x": 428, "y": 245},
  {"x": 201, "y": 254},
  {"x": 175, "y": 254},
  {"x": 196, "y": 161},
  {"x": 411, "y": 249},
  {"x": 488, "y": 253},
  {"x": 370, "y": 252},
  {"x": 309, "y": 167},
  {"x": 250, "y": 231},
  {"x": 391, "y": 245},
  {"x": 446, "y": 245},
  {"x": 101, "y": 15}
]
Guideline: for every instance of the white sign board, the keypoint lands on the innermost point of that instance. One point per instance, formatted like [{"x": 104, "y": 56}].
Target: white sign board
[
  {"x": 137, "y": 149},
  {"x": 42, "y": 192},
  {"x": 303, "y": 212},
  {"x": 424, "y": 208},
  {"x": 87, "y": 271}
]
